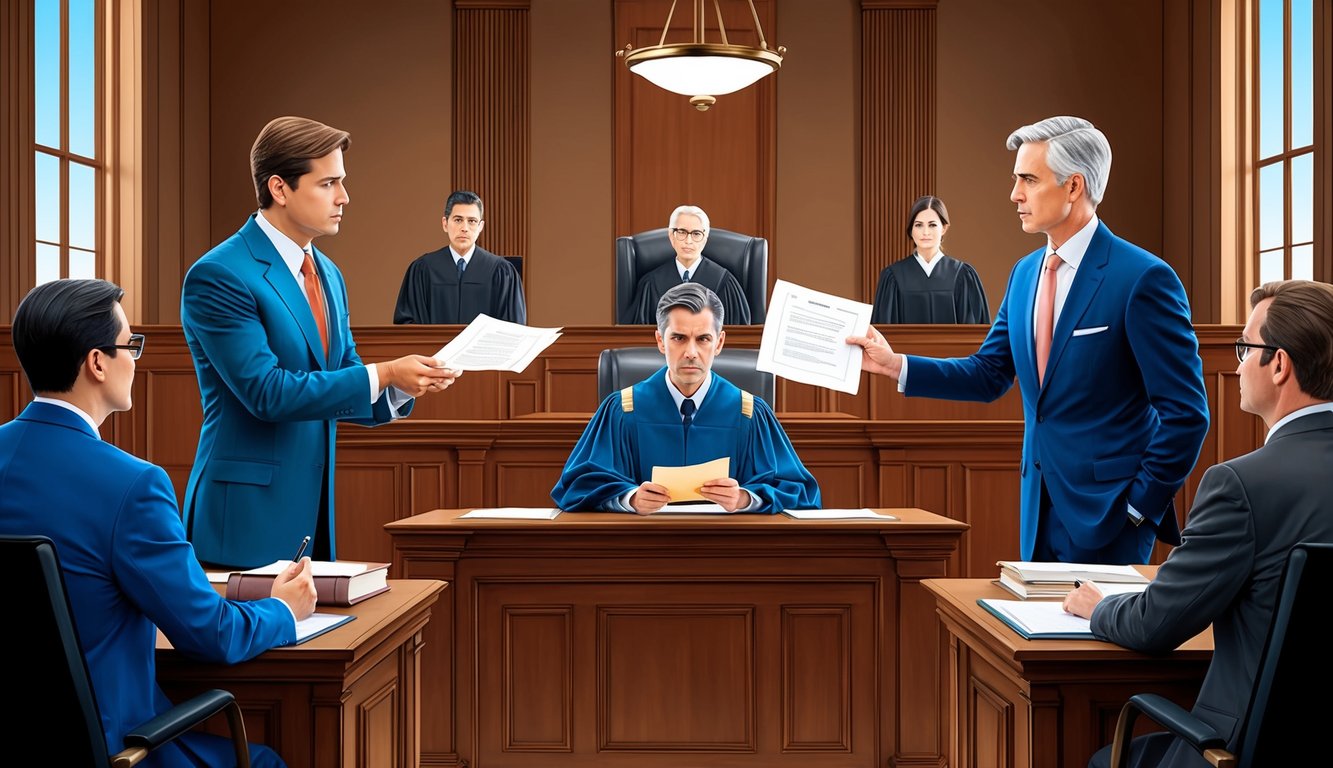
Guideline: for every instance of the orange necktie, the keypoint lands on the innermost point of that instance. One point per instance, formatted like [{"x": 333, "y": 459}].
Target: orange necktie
[
  {"x": 316, "y": 298},
  {"x": 1046, "y": 313}
]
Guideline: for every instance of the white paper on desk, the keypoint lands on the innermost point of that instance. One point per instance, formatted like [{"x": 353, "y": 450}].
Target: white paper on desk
[
  {"x": 836, "y": 514},
  {"x": 487, "y": 344},
  {"x": 682, "y": 483},
  {"x": 693, "y": 509},
  {"x": 218, "y": 577},
  {"x": 515, "y": 513},
  {"x": 318, "y": 624},
  {"x": 805, "y": 337},
  {"x": 1042, "y": 617}
]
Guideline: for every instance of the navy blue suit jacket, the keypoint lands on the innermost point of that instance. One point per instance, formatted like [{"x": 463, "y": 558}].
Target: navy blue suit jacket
[
  {"x": 1122, "y": 413},
  {"x": 128, "y": 568},
  {"x": 271, "y": 400}
]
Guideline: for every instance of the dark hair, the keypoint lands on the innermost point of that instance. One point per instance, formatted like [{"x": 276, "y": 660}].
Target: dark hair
[
  {"x": 693, "y": 296},
  {"x": 922, "y": 203},
  {"x": 464, "y": 197},
  {"x": 58, "y": 324},
  {"x": 1300, "y": 321},
  {"x": 285, "y": 148}
]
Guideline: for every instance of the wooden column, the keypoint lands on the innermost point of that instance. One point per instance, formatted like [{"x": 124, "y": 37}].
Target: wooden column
[
  {"x": 491, "y": 116},
  {"x": 16, "y": 157},
  {"x": 897, "y": 125}
]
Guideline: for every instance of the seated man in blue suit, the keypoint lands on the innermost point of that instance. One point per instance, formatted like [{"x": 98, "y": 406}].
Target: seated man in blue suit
[
  {"x": 1098, "y": 333},
  {"x": 685, "y": 414},
  {"x": 128, "y": 569},
  {"x": 265, "y": 316}
]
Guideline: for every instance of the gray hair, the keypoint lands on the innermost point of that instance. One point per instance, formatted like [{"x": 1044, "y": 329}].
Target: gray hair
[
  {"x": 1073, "y": 145},
  {"x": 692, "y": 296},
  {"x": 693, "y": 210}
]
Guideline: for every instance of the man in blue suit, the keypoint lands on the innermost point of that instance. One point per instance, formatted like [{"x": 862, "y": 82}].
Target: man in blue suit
[
  {"x": 1098, "y": 333},
  {"x": 127, "y": 567},
  {"x": 265, "y": 316}
]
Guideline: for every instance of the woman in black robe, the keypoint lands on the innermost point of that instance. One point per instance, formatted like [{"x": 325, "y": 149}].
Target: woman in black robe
[{"x": 929, "y": 287}]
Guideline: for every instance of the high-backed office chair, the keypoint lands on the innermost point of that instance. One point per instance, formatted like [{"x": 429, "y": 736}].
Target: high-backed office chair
[
  {"x": 624, "y": 367},
  {"x": 1281, "y": 726},
  {"x": 744, "y": 256},
  {"x": 58, "y": 719}
]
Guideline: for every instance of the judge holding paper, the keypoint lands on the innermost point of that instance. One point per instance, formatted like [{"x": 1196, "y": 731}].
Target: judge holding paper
[{"x": 683, "y": 415}]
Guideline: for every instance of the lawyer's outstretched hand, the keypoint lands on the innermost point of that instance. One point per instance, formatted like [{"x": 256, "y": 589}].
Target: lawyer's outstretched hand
[
  {"x": 416, "y": 375},
  {"x": 878, "y": 357}
]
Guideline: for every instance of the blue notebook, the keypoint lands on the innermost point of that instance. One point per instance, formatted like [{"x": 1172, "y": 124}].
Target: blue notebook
[{"x": 1039, "y": 619}]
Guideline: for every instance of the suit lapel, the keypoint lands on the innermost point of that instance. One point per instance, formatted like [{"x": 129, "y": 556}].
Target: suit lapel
[
  {"x": 1082, "y": 292},
  {"x": 280, "y": 279}
]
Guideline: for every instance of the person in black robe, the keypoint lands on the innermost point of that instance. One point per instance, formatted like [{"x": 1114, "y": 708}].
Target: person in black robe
[
  {"x": 928, "y": 286},
  {"x": 436, "y": 290},
  {"x": 688, "y": 231}
]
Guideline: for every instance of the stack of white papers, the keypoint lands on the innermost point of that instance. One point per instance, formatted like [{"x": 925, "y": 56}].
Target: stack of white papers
[
  {"x": 805, "y": 337},
  {"x": 515, "y": 513},
  {"x": 487, "y": 344},
  {"x": 836, "y": 514},
  {"x": 1036, "y": 620}
]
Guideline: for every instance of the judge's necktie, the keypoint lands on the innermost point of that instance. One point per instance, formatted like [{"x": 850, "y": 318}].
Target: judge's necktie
[
  {"x": 315, "y": 296},
  {"x": 462, "y": 265},
  {"x": 1045, "y": 320},
  {"x": 687, "y": 409},
  {"x": 685, "y": 278}
]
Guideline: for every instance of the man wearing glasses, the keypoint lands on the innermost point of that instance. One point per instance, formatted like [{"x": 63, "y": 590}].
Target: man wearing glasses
[
  {"x": 113, "y": 518},
  {"x": 1247, "y": 515},
  {"x": 688, "y": 231}
]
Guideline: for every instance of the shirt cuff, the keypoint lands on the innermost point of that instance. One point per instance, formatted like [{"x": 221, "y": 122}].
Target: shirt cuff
[
  {"x": 289, "y": 609},
  {"x": 373, "y": 374},
  {"x": 622, "y": 504},
  {"x": 755, "y": 502},
  {"x": 902, "y": 376},
  {"x": 1134, "y": 514}
]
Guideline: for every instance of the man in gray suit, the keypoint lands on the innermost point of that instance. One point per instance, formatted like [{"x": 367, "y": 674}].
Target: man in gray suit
[{"x": 1246, "y": 517}]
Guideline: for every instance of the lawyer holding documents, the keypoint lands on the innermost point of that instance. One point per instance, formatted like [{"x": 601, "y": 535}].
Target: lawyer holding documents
[
  {"x": 684, "y": 415},
  {"x": 1248, "y": 513},
  {"x": 127, "y": 567}
]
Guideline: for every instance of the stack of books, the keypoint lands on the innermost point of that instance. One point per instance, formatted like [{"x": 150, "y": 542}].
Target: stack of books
[
  {"x": 1058, "y": 579},
  {"x": 336, "y": 583}
]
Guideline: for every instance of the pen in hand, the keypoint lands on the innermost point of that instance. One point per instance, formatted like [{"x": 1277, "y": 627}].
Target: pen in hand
[{"x": 301, "y": 550}]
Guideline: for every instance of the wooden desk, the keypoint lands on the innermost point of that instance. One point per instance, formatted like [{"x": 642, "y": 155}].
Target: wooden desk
[
  {"x": 610, "y": 640},
  {"x": 1016, "y": 703},
  {"x": 349, "y": 697}
]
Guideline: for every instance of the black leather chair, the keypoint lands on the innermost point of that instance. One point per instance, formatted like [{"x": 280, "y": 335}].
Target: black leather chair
[
  {"x": 745, "y": 256},
  {"x": 627, "y": 366},
  {"x": 1281, "y": 723},
  {"x": 58, "y": 719}
]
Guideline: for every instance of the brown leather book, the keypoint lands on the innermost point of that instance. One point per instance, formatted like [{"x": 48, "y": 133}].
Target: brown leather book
[{"x": 332, "y": 585}]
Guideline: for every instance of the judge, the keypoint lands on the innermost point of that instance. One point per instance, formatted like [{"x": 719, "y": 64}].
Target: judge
[
  {"x": 688, "y": 231},
  {"x": 453, "y": 285},
  {"x": 685, "y": 414},
  {"x": 928, "y": 286}
]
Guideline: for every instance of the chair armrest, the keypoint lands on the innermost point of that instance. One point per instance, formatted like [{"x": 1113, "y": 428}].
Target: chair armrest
[
  {"x": 185, "y": 716},
  {"x": 1176, "y": 719}
]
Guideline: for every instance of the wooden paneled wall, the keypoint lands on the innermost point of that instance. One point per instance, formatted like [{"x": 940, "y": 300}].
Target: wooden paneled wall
[
  {"x": 501, "y": 439},
  {"x": 491, "y": 151},
  {"x": 897, "y": 125}
]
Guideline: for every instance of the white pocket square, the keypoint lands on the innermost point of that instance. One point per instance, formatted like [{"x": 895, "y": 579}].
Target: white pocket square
[{"x": 1090, "y": 331}]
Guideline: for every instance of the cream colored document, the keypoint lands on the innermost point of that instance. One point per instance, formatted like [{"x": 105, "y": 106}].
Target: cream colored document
[{"x": 683, "y": 482}]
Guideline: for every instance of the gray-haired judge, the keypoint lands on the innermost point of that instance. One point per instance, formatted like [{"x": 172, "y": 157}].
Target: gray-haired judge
[
  {"x": 1098, "y": 333},
  {"x": 688, "y": 230}
]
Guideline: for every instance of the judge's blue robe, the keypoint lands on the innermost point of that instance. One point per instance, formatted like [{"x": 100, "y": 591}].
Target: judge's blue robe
[{"x": 619, "y": 448}]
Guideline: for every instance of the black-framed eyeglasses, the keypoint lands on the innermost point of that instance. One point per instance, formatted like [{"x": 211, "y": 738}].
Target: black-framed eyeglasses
[
  {"x": 693, "y": 235},
  {"x": 1243, "y": 348},
  {"x": 135, "y": 346}
]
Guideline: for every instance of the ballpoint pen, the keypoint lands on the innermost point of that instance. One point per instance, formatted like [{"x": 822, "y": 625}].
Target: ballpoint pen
[{"x": 301, "y": 550}]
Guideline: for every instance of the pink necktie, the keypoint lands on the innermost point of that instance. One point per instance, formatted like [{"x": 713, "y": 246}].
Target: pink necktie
[{"x": 1046, "y": 313}]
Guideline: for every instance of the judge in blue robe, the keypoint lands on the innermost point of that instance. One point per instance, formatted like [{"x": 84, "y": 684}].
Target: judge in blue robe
[{"x": 682, "y": 415}]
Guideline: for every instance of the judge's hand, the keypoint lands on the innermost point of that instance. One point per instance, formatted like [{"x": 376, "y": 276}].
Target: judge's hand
[
  {"x": 1083, "y": 599},
  {"x": 726, "y": 493},
  {"x": 649, "y": 498},
  {"x": 878, "y": 357},
  {"x": 416, "y": 375},
  {"x": 295, "y": 586}
]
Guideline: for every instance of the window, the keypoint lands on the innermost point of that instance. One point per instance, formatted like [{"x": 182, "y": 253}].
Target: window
[
  {"x": 1284, "y": 142},
  {"x": 67, "y": 99}
]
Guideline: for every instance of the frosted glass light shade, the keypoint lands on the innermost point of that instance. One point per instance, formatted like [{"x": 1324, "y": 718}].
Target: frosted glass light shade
[{"x": 693, "y": 70}]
